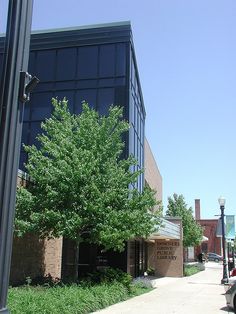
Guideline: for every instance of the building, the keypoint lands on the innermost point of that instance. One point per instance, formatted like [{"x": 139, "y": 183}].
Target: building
[
  {"x": 96, "y": 64},
  {"x": 211, "y": 242}
]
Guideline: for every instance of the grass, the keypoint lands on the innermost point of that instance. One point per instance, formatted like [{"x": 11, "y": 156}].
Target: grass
[
  {"x": 69, "y": 299},
  {"x": 190, "y": 270}
]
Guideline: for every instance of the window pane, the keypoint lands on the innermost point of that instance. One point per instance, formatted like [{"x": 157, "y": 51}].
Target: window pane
[
  {"x": 27, "y": 110},
  {"x": 105, "y": 100},
  {"x": 131, "y": 140},
  {"x": 131, "y": 110},
  {"x": 46, "y": 65},
  {"x": 35, "y": 129},
  {"x": 107, "y": 60},
  {"x": 25, "y": 134},
  {"x": 41, "y": 106},
  {"x": 106, "y": 82},
  {"x": 32, "y": 63},
  {"x": 86, "y": 84},
  {"x": 64, "y": 85},
  {"x": 120, "y": 97},
  {"x": 120, "y": 59},
  {"x": 23, "y": 158},
  {"x": 66, "y": 61},
  {"x": 87, "y": 62},
  {"x": 88, "y": 95}
]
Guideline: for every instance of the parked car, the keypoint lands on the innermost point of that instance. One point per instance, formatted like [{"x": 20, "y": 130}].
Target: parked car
[
  {"x": 214, "y": 257},
  {"x": 230, "y": 294}
]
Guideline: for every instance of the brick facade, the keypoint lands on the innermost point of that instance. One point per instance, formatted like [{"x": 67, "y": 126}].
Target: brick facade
[
  {"x": 209, "y": 230},
  {"x": 152, "y": 174},
  {"x": 33, "y": 257}
]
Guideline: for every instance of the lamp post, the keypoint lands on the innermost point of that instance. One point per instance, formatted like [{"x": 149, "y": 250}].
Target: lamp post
[
  {"x": 221, "y": 201},
  {"x": 16, "y": 55}
]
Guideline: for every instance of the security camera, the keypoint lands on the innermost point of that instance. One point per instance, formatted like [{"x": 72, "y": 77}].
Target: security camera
[{"x": 31, "y": 85}]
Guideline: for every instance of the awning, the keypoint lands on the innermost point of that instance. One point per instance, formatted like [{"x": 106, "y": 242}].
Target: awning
[
  {"x": 204, "y": 239},
  {"x": 167, "y": 230}
]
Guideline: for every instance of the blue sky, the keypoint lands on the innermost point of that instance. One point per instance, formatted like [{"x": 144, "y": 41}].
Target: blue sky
[{"x": 186, "y": 54}]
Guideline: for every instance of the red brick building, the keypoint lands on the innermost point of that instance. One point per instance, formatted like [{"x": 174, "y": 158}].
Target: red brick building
[{"x": 213, "y": 244}]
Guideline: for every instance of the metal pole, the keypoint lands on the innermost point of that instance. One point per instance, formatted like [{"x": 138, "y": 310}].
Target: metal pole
[
  {"x": 16, "y": 57},
  {"x": 225, "y": 274}
]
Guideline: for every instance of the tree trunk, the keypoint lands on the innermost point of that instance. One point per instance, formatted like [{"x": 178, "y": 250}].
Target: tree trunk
[{"x": 76, "y": 261}]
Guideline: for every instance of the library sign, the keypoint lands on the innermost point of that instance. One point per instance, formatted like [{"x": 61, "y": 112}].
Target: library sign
[{"x": 166, "y": 250}]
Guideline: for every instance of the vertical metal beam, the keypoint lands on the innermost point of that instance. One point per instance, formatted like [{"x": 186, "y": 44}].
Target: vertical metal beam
[
  {"x": 225, "y": 273},
  {"x": 16, "y": 57}
]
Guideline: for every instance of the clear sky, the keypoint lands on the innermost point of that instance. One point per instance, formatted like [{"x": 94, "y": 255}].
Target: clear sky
[{"x": 186, "y": 54}]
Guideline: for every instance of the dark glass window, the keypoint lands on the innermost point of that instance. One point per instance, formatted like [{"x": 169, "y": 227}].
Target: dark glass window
[
  {"x": 44, "y": 87},
  {"x": 120, "y": 81},
  {"x": 131, "y": 140},
  {"x": 120, "y": 59},
  {"x": 41, "y": 106},
  {"x": 25, "y": 133},
  {"x": 105, "y": 100},
  {"x": 23, "y": 158},
  {"x": 66, "y": 63},
  {"x": 120, "y": 93},
  {"x": 86, "y": 84},
  {"x": 35, "y": 129},
  {"x": 131, "y": 110},
  {"x": 88, "y": 95},
  {"x": 135, "y": 144},
  {"x": 106, "y": 82},
  {"x": 64, "y": 85},
  {"x": 27, "y": 110},
  {"x": 87, "y": 62},
  {"x": 32, "y": 63},
  {"x": 107, "y": 60},
  {"x": 46, "y": 65}
]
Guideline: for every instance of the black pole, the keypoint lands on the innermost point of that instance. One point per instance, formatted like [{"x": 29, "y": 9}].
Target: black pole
[
  {"x": 16, "y": 57},
  {"x": 225, "y": 276}
]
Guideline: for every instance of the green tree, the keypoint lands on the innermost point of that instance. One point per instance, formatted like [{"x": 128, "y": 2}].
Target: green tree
[
  {"x": 192, "y": 231},
  {"x": 81, "y": 187}
]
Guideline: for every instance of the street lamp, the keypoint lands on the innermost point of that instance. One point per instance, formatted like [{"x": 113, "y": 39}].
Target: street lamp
[
  {"x": 16, "y": 55},
  {"x": 221, "y": 201}
]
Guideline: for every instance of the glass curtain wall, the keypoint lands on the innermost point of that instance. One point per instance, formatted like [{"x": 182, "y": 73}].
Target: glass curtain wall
[{"x": 96, "y": 74}]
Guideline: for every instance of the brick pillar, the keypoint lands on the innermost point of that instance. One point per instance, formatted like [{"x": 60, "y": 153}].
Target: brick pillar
[{"x": 197, "y": 209}]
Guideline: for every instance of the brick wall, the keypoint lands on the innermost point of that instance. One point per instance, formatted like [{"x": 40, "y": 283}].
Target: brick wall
[
  {"x": 33, "y": 257},
  {"x": 209, "y": 230},
  {"x": 169, "y": 258},
  {"x": 152, "y": 173}
]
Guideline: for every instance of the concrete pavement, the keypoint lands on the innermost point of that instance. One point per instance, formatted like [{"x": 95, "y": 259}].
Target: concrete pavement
[{"x": 200, "y": 293}]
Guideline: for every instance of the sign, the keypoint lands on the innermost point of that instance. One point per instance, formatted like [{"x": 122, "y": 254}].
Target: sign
[
  {"x": 166, "y": 250},
  {"x": 230, "y": 227}
]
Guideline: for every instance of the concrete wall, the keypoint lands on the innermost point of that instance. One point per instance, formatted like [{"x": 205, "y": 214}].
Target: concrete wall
[{"x": 152, "y": 174}]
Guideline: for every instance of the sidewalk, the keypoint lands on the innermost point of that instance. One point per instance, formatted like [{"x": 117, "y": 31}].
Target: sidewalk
[{"x": 200, "y": 293}]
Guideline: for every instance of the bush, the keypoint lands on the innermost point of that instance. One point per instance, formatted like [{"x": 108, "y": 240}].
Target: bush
[
  {"x": 190, "y": 270},
  {"x": 68, "y": 298},
  {"x": 109, "y": 275}
]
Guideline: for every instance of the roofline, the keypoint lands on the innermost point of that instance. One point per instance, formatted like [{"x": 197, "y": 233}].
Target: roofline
[{"x": 77, "y": 28}]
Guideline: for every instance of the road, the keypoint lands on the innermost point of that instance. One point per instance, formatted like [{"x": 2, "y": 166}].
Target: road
[{"x": 200, "y": 293}]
